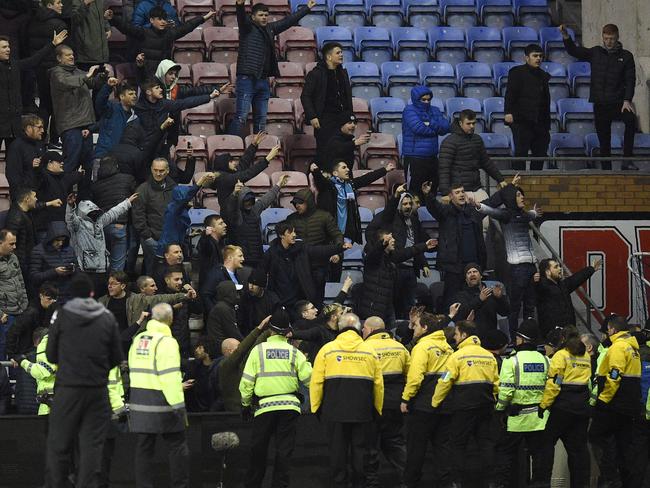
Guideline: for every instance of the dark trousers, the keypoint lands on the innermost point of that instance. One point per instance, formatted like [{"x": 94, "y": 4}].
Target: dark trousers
[
  {"x": 571, "y": 429},
  {"x": 627, "y": 434},
  {"x": 514, "y": 451},
  {"x": 178, "y": 456},
  {"x": 349, "y": 444},
  {"x": 604, "y": 115},
  {"x": 281, "y": 425},
  {"x": 319, "y": 277},
  {"x": 114, "y": 428},
  {"x": 45, "y": 102},
  {"x": 78, "y": 414},
  {"x": 476, "y": 423},
  {"x": 453, "y": 284},
  {"x": 521, "y": 292},
  {"x": 419, "y": 170},
  {"x": 389, "y": 440},
  {"x": 328, "y": 127},
  {"x": 406, "y": 286},
  {"x": 530, "y": 137},
  {"x": 423, "y": 428}
]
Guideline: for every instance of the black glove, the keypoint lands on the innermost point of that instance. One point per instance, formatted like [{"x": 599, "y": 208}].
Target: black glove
[
  {"x": 19, "y": 358},
  {"x": 540, "y": 412},
  {"x": 247, "y": 413},
  {"x": 601, "y": 405}
]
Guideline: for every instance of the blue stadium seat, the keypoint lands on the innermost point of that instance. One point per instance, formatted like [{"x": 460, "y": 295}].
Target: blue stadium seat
[
  {"x": 475, "y": 80},
  {"x": 580, "y": 78},
  {"x": 495, "y": 13},
  {"x": 500, "y": 71},
  {"x": 426, "y": 219},
  {"x": 515, "y": 39},
  {"x": 398, "y": 79},
  {"x": 576, "y": 115},
  {"x": 364, "y": 79},
  {"x": 485, "y": 44},
  {"x": 642, "y": 144},
  {"x": 410, "y": 44},
  {"x": 564, "y": 144},
  {"x": 353, "y": 258},
  {"x": 532, "y": 13},
  {"x": 498, "y": 145},
  {"x": 198, "y": 215},
  {"x": 387, "y": 114},
  {"x": 269, "y": 217},
  {"x": 558, "y": 85},
  {"x": 373, "y": 44},
  {"x": 384, "y": 13},
  {"x": 592, "y": 144},
  {"x": 555, "y": 119},
  {"x": 551, "y": 40},
  {"x": 494, "y": 113},
  {"x": 447, "y": 44},
  {"x": 366, "y": 216},
  {"x": 423, "y": 14},
  {"x": 440, "y": 78},
  {"x": 457, "y": 104},
  {"x": 341, "y": 35},
  {"x": 399, "y": 144},
  {"x": 348, "y": 13},
  {"x": 458, "y": 13},
  {"x": 318, "y": 16}
]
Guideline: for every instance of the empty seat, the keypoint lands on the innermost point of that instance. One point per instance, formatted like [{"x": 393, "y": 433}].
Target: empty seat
[
  {"x": 199, "y": 147},
  {"x": 447, "y": 44},
  {"x": 361, "y": 110},
  {"x": 364, "y": 79},
  {"x": 259, "y": 183},
  {"x": 458, "y": 13},
  {"x": 563, "y": 144},
  {"x": 318, "y": 16},
  {"x": 458, "y": 104},
  {"x": 440, "y": 78},
  {"x": 384, "y": 13},
  {"x": 493, "y": 114},
  {"x": 348, "y": 13},
  {"x": 579, "y": 74},
  {"x": 373, "y": 44},
  {"x": 290, "y": 82},
  {"x": 485, "y": 44},
  {"x": 553, "y": 45},
  {"x": 558, "y": 85},
  {"x": 298, "y": 45},
  {"x": 280, "y": 119},
  {"x": 185, "y": 74},
  {"x": 592, "y": 144},
  {"x": 515, "y": 39},
  {"x": 422, "y": 13},
  {"x": 532, "y": 13},
  {"x": 265, "y": 147},
  {"x": 222, "y": 44},
  {"x": 301, "y": 151},
  {"x": 387, "y": 114},
  {"x": 398, "y": 79},
  {"x": 200, "y": 120},
  {"x": 226, "y": 12},
  {"x": 371, "y": 201},
  {"x": 225, "y": 143},
  {"x": 269, "y": 218},
  {"x": 576, "y": 115},
  {"x": 496, "y": 144},
  {"x": 188, "y": 9},
  {"x": 296, "y": 181},
  {"x": 475, "y": 80},
  {"x": 410, "y": 44},
  {"x": 337, "y": 34},
  {"x": 210, "y": 74},
  {"x": 642, "y": 144},
  {"x": 189, "y": 48},
  {"x": 380, "y": 150},
  {"x": 500, "y": 72},
  {"x": 495, "y": 13}
]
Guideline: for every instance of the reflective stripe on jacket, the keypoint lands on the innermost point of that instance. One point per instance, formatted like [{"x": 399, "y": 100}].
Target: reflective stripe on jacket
[
  {"x": 43, "y": 371},
  {"x": 619, "y": 375},
  {"x": 395, "y": 361},
  {"x": 567, "y": 386}
]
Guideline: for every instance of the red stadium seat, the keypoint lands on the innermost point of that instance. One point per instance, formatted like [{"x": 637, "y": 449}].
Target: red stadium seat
[
  {"x": 381, "y": 150},
  {"x": 298, "y": 45},
  {"x": 277, "y": 163},
  {"x": 117, "y": 45},
  {"x": 188, "y": 9},
  {"x": 199, "y": 147},
  {"x": 377, "y": 186},
  {"x": 259, "y": 184},
  {"x": 224, "y": 143},
  {"x": 290, "y": 82},
  {"x": 201, "y": 120},
  {"x": 222, "y": 44},
  {"x": 210, "y": 74},
  {"x": 126, "y": 71},
  {"x": 227, "y": 13},
  {"x": 299, "y": 117},
  {"x": 362, "y": 112},
  {"x": 189, "y": 48},
  {"x": 280, "y": 119},
  {"x": 278, "y": 9},
  {"x": 373, "y": 201},
  {"x": 301, "y": 151}
]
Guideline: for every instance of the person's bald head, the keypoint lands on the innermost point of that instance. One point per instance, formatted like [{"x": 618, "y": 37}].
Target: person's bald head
[
  {"x": 371, "y": 325},
  {"x": 228, "y": 346},
  {"x": 348, "y": 320}
]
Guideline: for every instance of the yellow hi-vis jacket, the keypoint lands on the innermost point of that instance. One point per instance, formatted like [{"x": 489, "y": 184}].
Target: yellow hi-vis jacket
[
  {"x": 273, "y": 373},
  {"x": 116, "y": 391},
  {"x": 567, "y": 386},
  {"x": 428, "y": 363},
  {"x": 395, "y": 361},
  {"x": 44, "y": 372},
  {"x": 157, "y": 404},
  {"x": 619, "y": 375},
  {"x": 347, "y": 380},
  {"x": 473, "y": 374}
]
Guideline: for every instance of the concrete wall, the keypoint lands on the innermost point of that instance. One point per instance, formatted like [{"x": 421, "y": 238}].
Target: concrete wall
[{"x": 631, "y": 16}]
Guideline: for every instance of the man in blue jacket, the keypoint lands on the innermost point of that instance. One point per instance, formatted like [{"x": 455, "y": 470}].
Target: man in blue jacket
[
  {"x": 421, "y": 126},
  {"x": 114, "y": 115},
  {"x": 141, "y": 13}
]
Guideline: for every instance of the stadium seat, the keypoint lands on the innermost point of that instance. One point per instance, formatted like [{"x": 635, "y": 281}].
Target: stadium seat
[
  {"x": 269, "y": 218},
  {"x": 118, "y": 46},
  {"x": 493, "y": 114},
  {"x": 485, "y": 45},
  {"x": 226, "y": 12},
  {"x": 199, "y": 148},
  {"x": 398, "y": 78},
  {"x": 555, "y": 120},
  {"x": 278, "y": 9},
  {"x": 440, "y": 78},
  {"x": 515, "y": 39},
  {"x": 260, "y": 183},
  {"x": 410, "y": 44},
  {"x": 580, "y": 78},
  {"x": 475, "y": 80},
  {"x": 200, "y": 120},
  {"x": 185, "y": 74},
  {"x": 642, "y": 144},
  {"x": 280, "y": 119},
  {"x": 373, "y": 44},
  {"x": 564, "y": 144},
  {"x": 384, "y": 13},
  {"x": 423, "y": 14},
  {"x": 558, "y": 85},
  {"x": 532, "y": 13},
  {"x": 364, "y": 79},
  {"x": 553, "y": 45},
  {"x": 361, "y": 111},
  {"x": 210, "y": 74},
  {"x": 576, "y": 115},
  {"x": 317, "y": 17},
  {"x": 290, "y": 82},
  {"x": 222, "y": 44},
  {"x": 126, "y": 71},
  {"x": 458, "y": 104},
  {"x": 380, "y": 150},
  {"x": 387, "y": 114},
  {"x": 189, "y": 48},
  {"x": 297, "y": 45},
  {"x": 497, "y": 145},
  {"x": 458, "y": 13},
  {"x": 372, "y": 201},
  {"x": 337, "y": 34},
  {"x": 495, "y": 13},
  {"x": 225, "y": 143},
  {"x": 299, "y": 117},
  {"x": 297, "y": 180},
  {"x": 348, "y": 13},
  {"x": 353, "y": 258},
  {"x": 500, "y": 72},
  {"x": 301, "y": 151},
  {"x": 592, "y": 144},
  {"x": 189, "y": 9},
  {"x": 265, "y": 147},
  {"x": 447, "y": 44},
  {"x": 366, "y": 217}
]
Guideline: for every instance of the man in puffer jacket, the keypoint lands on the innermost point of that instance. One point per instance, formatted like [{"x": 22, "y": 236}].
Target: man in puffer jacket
[
  {"x": 421, "y": 125},
  {"x": 54, "y": 260},
  {"x": 243, "y": 213},
  {"x": 86, "y": 223},
  {"x": 222, "y": 321}
]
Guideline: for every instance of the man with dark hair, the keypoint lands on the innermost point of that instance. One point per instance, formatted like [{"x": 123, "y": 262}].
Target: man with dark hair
[
  {"x": 343, "y": 143},
  {"x": 257, "y": 301},
  {"x": 202, "y": 379},
  {"x": 84, "y": 342},
  {"x": 24, "y": 154},
  {"x": 257, "y": 61},
  {"x": 13, "y": 295},
  {"x": 223, "y": 322},
  {"x": 180, "y": 326},
  {"x": 527, "y": 107},
  {"x": 54, "y": 260},
  {"x": 114, "y": 115},
  {"x": 141, "y": 15},
  {"x": 326, "y": 94},
  {"x": 613, "y": 78},
  {"x": 211, "y": 244}
]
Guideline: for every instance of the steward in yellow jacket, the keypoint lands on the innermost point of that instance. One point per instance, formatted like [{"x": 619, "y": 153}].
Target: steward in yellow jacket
[{"x": 42, "y": 371}]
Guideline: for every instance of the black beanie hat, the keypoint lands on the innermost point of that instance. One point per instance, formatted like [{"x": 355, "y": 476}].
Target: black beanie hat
[{"x": 258, "y": 277}]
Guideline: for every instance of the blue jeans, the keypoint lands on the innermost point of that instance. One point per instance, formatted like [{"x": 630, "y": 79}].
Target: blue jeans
[
  {"x": 4, "y": 330},
  {"x": 250, "y": 92},
  {"x": 117, "y": 243},
  {"x": 77, "y": 150},
  {"x": 522, "y": 291}
]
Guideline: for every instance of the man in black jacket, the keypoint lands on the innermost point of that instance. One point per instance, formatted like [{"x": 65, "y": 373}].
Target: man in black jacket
[
  {"x": 527, "y": 107},
  {"x": 85, "y": 344},
  {"x": 210, "y": 245},
  {"x": 231, "y": 270},
  {"x": 223, "y": 320},
  {"x": 613, "y": 77},
  {"x": 342, "y": 144},
  {"x": 257, "y": 61},
  {"x": 554, "y": 306},
  {"x": 180, "y": 327},
  {"x": 327, "y": 93},
  {"x": 257, "y": 301},
  {"x": 24, "y": 154},
  {"x": 54, "y": 260}
]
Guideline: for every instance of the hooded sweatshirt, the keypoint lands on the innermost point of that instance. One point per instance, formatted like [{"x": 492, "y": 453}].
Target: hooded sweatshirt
[
  {"x": 422, "y": 123},
  {"x": 315, "y": 226},
  {"x": 162, "y": 69},
  {"x": 225, "y": 184},
  {"x": 45, "y": 258},
  {"x": 222, "y": 321},
  {"x": 84, "y": 342}
]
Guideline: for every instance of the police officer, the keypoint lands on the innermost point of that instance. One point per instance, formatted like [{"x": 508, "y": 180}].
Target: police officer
[
  {"x": 118, "y": 420},
  {"x": 269, "y": 391},
  {"x": 395, "y": 361},
  {"x": 157, "y": 404},
  {"x": 522, "y": 379},
  {"x": 566, "y": 395},
  {"x": 42, "y": 371},
  {"x": 618, "y": 412},
  {"x": 424, "y": 423},
  {"x": 473, "y": 376},
  {"x": 347, "y": 393}
]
